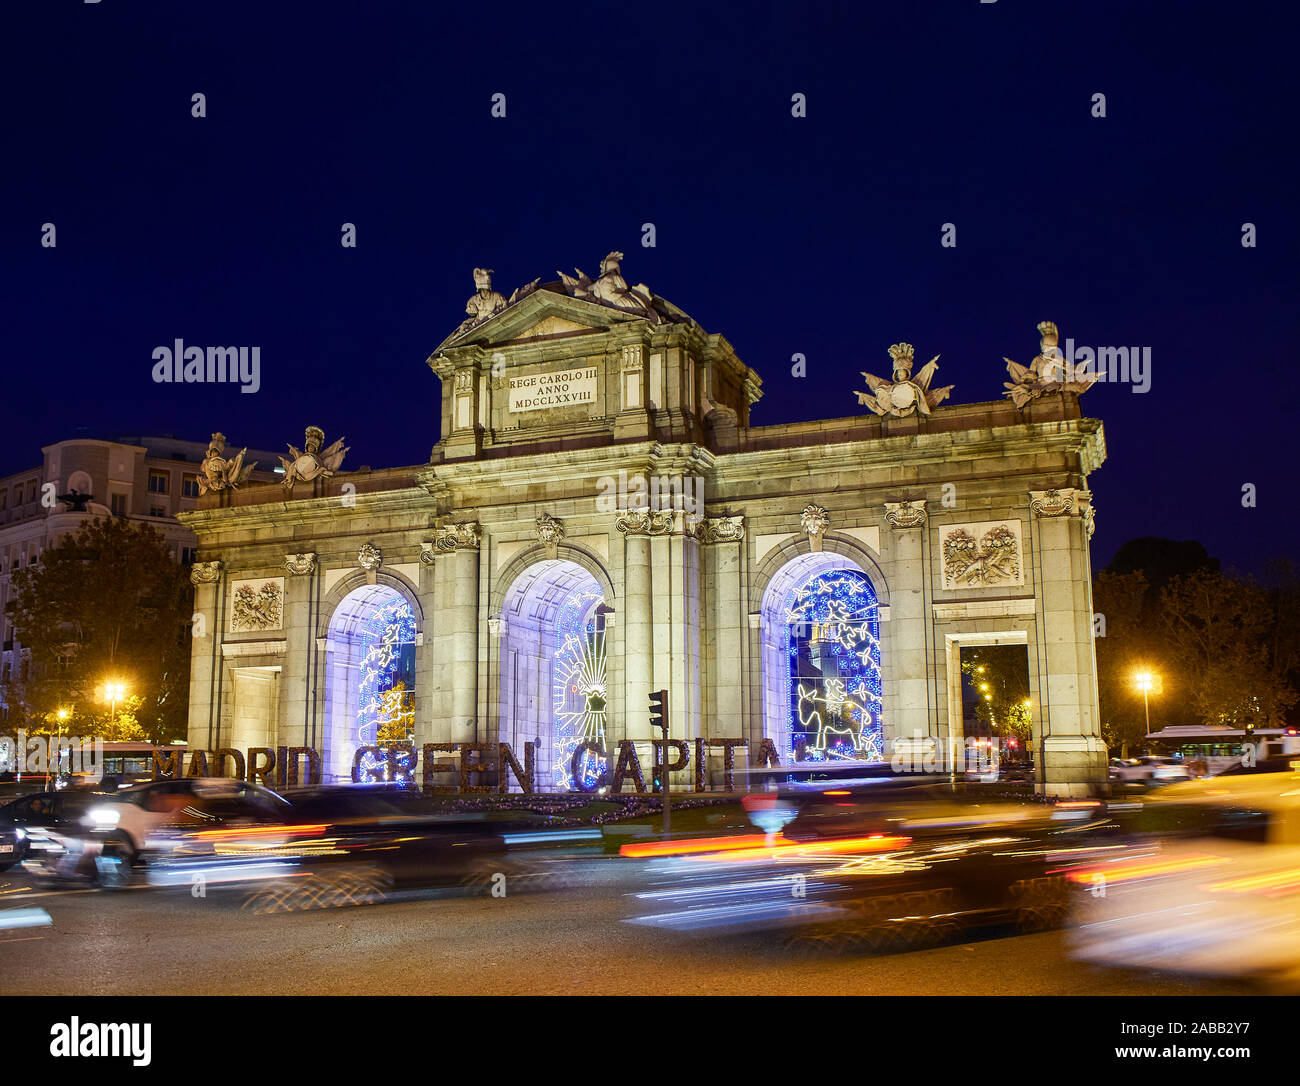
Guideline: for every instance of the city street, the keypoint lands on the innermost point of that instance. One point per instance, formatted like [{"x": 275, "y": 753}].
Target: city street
[{"x": 573, "y": 941}]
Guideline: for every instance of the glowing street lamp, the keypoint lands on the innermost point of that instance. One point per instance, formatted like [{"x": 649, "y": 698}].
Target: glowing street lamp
[
  {"x": 1145, "y": 682},
  {"x": 113, "y": 691}
]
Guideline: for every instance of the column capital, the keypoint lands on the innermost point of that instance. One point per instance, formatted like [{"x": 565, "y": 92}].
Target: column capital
[
  {"x": 906, "y": 514},
  {"x": 453, "y": 537},
  {"x": 1066, "y": 502},
  {"x": 205, "y": 572},
  {"x": 720, "y": 529},
  {"x": 300, "y": 564},
  {"x": 645, "y": 522}
]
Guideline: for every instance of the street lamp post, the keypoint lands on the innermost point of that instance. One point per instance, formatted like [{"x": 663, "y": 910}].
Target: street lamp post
[
  {"x": 1145, "y": 682},
  {"x": 112, "y": 692}
]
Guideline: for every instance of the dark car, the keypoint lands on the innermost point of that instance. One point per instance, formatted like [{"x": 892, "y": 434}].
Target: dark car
[
  {"x": 60, "y": 812},
  {"x": 334, "y": 845},
  {"x": 888, "y": 864},
  {"x": 396, "y": 829}
]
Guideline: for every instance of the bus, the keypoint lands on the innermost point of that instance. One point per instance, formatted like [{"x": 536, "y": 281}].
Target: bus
[{"x": 1208, "y": 751}]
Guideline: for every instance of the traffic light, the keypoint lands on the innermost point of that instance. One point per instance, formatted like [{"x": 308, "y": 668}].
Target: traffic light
[
  {"x": 659, "y": 710},
  {"x": 659, "y": 719}
]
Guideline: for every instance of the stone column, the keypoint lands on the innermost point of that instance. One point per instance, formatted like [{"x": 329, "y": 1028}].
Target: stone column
[
  {"x": 638, "y": 646},
  {"x": 721, "y": 539},
  {"x": 1071, "y": 753},
  {"x": 427, "y": 720},
  {"x": 908, "y": 663},
  {"x": 456, "y": 640},
  {"x": 299, "y": 645},
  {"x": 206, "y": 578}
]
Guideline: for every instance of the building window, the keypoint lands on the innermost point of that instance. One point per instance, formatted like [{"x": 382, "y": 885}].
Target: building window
[
  {"x": 189, "y": 485},
  {"x": 157, "y": 511},
  {"x": 158, "y": 482},
  {"x": 188, "y": 554},
  {"x": 31, "y": 491},
  {"x": 118, "y": 502},
  {"x": 4, "y": 499}
]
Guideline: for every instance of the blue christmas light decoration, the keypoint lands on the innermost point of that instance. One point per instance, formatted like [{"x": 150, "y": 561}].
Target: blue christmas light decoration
[
  {"x": 833, "y": 684},
  {"x": 389, "y": 634},
  {"x": 578, "y": 687}
]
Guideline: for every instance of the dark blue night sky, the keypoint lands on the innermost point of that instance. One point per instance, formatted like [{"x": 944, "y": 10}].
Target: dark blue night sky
[{"x": 818, "y": 235}]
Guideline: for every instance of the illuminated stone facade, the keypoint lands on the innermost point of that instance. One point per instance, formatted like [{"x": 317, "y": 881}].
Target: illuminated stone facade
[{"x": 600, "y": 519}]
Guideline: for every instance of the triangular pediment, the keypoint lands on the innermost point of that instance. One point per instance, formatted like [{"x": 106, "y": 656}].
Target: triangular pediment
[
  {"x": 553, "y": 325},
  {"x": 542, "y": 314}
]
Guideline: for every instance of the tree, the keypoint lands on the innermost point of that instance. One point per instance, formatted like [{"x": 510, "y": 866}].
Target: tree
[
  {"x": 1124, "y": 647},
  {"x": 1227, "y": 648},
  {"x": 107, "y": 602},
  {"x": 1160, "y": 561},
  {"x": 999, "y": 676}
]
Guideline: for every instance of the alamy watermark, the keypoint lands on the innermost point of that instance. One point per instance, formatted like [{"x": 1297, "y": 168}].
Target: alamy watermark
[
  {"x": 926, "y": 754},
  {"x": 657, "y": 493},
  {"x": 1114, "y": 365},
  {"x": 51, "y": 754},
  {"x": 179, "y": 364}
]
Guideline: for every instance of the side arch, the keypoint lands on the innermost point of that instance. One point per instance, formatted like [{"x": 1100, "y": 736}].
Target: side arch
[
  {"x": 796, "y": 546},
  {"x": 358, "y": 579}
]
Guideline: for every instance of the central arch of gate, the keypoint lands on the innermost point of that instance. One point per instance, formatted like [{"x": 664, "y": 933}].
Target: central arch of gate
[{"x": 553, "y": 673}]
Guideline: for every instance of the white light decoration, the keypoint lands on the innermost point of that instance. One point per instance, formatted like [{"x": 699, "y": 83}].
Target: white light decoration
[
  {"x": 835, "y": 710},
  {"x": 578, "y": 687}
]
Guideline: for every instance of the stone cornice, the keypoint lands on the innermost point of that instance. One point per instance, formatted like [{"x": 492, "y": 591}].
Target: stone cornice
[
  {"x": 651, "y": 458},
  {"x": 858, "y": 456},
  {"x": 412, "y": 502}
]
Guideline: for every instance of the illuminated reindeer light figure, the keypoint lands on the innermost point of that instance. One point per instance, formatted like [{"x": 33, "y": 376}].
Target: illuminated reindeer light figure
[
  {"x": 837, "y": 703},
  {"x": 834, "y": 656}
]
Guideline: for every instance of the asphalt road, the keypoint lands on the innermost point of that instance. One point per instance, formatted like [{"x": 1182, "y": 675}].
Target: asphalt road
[{"x": 571, "y": 941}]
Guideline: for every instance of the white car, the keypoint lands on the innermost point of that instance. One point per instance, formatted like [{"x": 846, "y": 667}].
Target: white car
[
  {"x": 1221, "y": 896},
  {"x": 135, "y": 816},
  {"x": 1151, "y": 769}
]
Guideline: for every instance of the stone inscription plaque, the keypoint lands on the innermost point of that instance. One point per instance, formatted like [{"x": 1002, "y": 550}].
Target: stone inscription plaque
[{"x": 563, "y": 388}]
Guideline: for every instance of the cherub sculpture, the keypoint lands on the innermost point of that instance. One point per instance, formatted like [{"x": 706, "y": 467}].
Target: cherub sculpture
[
  {"x": 310, "y": 464},
  {"x": 905, "y": 394}
]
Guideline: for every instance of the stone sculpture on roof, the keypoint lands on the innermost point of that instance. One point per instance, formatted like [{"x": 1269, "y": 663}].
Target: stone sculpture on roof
[{"x": 905, "y": 394}]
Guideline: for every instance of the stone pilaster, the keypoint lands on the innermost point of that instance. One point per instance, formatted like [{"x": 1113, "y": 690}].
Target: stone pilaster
[
  {"x": 909, "y": 661},
  {"x": 455, "y": 639},
  {"x": 206, "y": 578},
  {"x": 638, "y": 647},
  {"x": 1071, "y": 754},
  {"x": 427, "y": 718},
  {"x": 299, "y": 588}
]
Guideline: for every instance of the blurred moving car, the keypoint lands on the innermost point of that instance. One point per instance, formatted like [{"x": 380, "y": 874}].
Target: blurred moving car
[
  {"x": 1211, "y": 886},
  {"x": 23, "y": 819},
  {"x": 1150, "y": 769},
  {"x": 102, "y": 838},
  {"x": 136, "y": 816},
  {"x": 334, "y": 845},
  {"x": 889, "y": 865},
  {"x": 13, "y": 840}
]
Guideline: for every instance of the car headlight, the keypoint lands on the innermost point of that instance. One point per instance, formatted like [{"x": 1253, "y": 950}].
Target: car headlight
[
  {"x": 20, "y": 833},
  {"x": 104, "y": 816}
]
